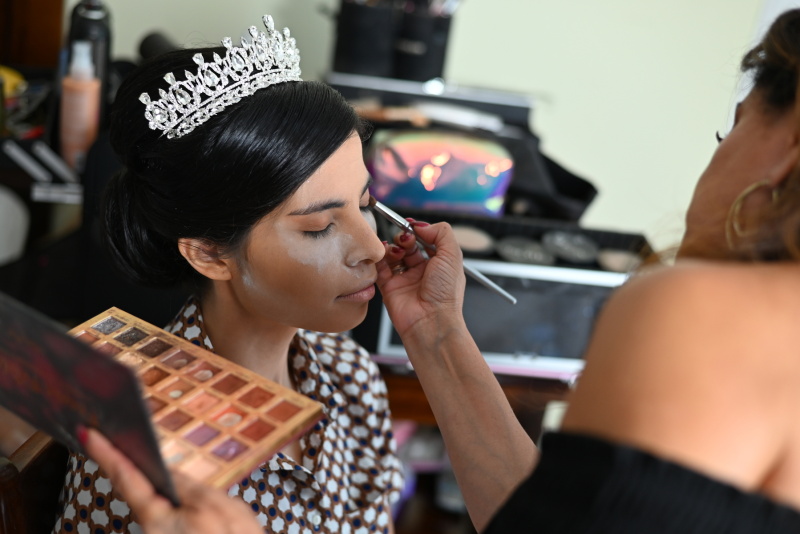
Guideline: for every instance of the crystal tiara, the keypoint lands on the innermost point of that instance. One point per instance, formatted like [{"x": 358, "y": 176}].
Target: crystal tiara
[{"x": 270, "y": 58}]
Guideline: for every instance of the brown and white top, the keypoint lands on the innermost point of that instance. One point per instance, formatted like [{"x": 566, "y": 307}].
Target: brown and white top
[{"x": 345, "y": 480}]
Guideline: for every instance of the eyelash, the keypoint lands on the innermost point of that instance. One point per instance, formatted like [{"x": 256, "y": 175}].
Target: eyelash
[
  {"x": 319, "y": 234},
  {"x": 719, "y": 137}
]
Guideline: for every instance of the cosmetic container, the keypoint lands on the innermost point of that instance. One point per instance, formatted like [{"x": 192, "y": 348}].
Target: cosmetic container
[
  {"x": 90, "y": 20},
  {"x": 80, "y": 106}
]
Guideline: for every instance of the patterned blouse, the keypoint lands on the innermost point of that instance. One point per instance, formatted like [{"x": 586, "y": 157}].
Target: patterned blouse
[{"x": 345, "y": 481}]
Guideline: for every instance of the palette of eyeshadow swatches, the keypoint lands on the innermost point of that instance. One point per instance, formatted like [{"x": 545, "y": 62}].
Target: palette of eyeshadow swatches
[{"x": 215, "y": 420}]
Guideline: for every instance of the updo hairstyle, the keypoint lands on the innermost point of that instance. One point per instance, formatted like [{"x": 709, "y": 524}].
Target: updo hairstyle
[{"x": 217, "y": 181}]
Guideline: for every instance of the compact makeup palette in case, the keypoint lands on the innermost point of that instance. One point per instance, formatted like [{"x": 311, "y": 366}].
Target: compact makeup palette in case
[
  {"x": 161, "y": 400},
  {"x": 215, "y": 420}
]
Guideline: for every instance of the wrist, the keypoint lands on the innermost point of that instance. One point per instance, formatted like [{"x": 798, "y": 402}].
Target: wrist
[
  {"x": 435, "y": 333},
  {"x": 445, "y": 316}
]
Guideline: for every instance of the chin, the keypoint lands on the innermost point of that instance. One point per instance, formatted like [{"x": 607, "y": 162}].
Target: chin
[{"x": 339, "y": 321}]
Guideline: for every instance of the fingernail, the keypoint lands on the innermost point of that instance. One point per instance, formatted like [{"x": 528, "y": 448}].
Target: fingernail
[
  {"x": 409, "y": 219},
  {"x": 82, "y": 434},
  {"x": 396, "y": 249},
  {"x": 419, "y": 223},
  {"x": 405, "y": 237},
  {"x": 385, "y": 242}
]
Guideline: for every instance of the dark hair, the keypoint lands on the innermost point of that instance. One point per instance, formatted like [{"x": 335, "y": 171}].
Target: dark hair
[
  {"x": 775, "y": 68},
  {"x": 217, "y": 181}
]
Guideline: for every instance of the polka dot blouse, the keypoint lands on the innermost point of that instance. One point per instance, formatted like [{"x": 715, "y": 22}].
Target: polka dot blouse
[{"x": 345, "y": 480}]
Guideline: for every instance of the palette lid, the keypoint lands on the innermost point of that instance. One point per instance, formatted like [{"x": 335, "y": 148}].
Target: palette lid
[{"x": 56, "y": 383}]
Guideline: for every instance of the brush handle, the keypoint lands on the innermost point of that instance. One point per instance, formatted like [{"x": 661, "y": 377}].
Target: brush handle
[{"x": 482, "y": 279}]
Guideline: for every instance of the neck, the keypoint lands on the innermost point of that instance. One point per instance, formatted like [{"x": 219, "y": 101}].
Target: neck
[
  {"x": 245, "y": 338},
  {"x": 710, "y": 246}
]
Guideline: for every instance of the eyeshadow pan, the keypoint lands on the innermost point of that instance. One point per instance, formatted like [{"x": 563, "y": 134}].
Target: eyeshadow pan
[
  {"x": 154, "y": 348},
  {"x": 131, "y": 336},
  {"x": 203, "y": 371},
  {"x": 86, "y": 337},
  {"x": 229, "y": 419},
  {"x": 175, "y": 420},
  {"x": 256, "y": 397},
  {"x": 131, "y": 360},
  {"x": 231, "y": 416},
  {"x": 106, "y": 326},
  {"x": 257, "y": 430},
  {"x": 202, "y": 435},
  {"x": 229, "y": 449},
  {"x": 155, "y": 405},
  {"x": 153, "y": 375},
  {"x": 199, "y": 468},
  {"x": 229, "y": 384},
  {"x": 283, "y": 411},
  {"x": 108, "y": 349},
  {"x": 177, "y": 389},
  {"x": 203, "y": 375},
  {"x": 174, "y": 453},
  {"x": 201, "y": 403},
  {"x": 179, "y": 360}
]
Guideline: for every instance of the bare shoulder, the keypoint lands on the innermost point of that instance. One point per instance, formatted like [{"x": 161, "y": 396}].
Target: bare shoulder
[
  {"x": 699, "y": 318},
  {"x": 704, "y": 295},
  {"x": 698, "y": 353}
]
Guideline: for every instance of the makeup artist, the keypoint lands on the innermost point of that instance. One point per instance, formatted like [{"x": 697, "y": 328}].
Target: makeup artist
[{"x": 685, "y": 418}]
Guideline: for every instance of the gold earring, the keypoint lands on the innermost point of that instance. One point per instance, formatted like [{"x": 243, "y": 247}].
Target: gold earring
[{"x": 733, "y": 225}]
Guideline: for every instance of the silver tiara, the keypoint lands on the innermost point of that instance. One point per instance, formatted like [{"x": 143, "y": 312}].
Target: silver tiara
[{"x": 268, "y": 59}]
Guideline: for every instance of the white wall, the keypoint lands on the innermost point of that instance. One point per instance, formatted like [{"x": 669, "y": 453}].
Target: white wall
[{"x": 629, "y": 93}]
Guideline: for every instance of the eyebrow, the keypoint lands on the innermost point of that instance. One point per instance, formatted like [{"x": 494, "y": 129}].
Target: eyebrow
[{"x": 324, "y": 205}]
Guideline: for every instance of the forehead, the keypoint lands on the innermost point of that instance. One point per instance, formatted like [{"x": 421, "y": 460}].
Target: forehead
[{"x": 342, "y": 176}]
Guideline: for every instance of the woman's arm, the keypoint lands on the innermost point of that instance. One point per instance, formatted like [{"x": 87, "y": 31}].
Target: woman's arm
[{"x": 490, "y": 452}]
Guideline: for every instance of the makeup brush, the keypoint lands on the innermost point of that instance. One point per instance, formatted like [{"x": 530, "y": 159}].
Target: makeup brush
[{"x": 395, "y": 218}]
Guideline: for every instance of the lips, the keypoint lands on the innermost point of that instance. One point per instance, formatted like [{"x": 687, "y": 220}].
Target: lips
[{"x": 361, "y": 295}]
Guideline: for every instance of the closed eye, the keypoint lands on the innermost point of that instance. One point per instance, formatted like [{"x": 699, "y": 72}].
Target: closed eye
[{"x": 319, "y": 234}]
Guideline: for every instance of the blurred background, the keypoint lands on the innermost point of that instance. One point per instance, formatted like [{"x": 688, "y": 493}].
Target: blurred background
[{"x": 627, "y": 94}]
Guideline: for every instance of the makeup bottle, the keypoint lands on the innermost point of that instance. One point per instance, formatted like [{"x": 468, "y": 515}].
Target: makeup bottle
[
  {"x": 90, "y": 20},
  {"x": 80, "y": 106}
]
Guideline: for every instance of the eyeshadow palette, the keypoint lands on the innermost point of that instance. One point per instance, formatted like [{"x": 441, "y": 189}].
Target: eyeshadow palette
[
  {"x": 57, "y": 384},
  {"x": 215, "y": 421}
]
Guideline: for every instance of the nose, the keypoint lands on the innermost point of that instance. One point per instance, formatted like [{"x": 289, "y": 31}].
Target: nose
[{"x": 367, "y": 247}]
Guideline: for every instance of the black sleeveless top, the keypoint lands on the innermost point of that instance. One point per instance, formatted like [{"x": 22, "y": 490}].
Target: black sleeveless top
[{"x": 587, "y": 485}]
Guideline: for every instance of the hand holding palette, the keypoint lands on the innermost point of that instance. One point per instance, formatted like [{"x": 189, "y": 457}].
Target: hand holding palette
[
  {"x": 56, "y": 383},
  {"x": 215, "y": 421},
  {"x": 158, "y": 398}
]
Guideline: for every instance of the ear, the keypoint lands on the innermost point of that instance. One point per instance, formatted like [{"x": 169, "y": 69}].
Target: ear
[
  {"x": 205, "y": 258},
  {"x": 786, "y": 163}
]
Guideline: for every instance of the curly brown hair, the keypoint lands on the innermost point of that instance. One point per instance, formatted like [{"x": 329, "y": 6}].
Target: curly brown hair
[{"x": 775, "y": 68}]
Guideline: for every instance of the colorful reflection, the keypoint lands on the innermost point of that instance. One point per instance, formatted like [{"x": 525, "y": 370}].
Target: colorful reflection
[{"x": 439, "y": 171}]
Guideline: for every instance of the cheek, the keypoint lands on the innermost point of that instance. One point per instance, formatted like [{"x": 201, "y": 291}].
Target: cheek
[{"x": 318, "y": 255}]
